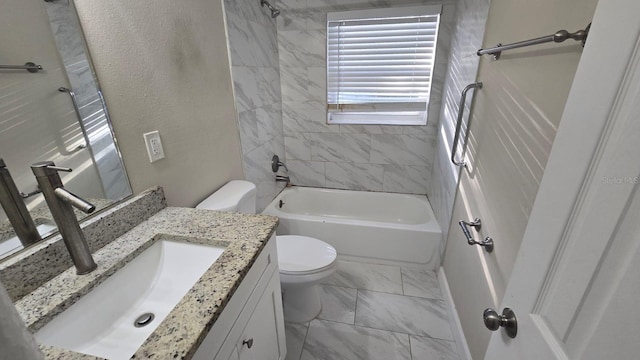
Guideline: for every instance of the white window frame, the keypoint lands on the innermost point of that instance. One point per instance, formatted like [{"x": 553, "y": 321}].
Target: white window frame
[{"x": 381, "y": 113}]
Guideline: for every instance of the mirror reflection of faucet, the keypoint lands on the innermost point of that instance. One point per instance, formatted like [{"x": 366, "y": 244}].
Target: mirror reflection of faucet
[
  {"x": 11, "y": 200},
  {"x": 60, "y": 201}
]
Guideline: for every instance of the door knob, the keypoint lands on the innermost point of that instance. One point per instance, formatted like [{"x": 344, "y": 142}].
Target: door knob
[
  {"x": 248, "y": 343},
  {"x": 507, "y": 320}
]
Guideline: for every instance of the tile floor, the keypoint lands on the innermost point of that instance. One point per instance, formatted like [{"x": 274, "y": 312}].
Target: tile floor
[{"x": 376, "y": 312}]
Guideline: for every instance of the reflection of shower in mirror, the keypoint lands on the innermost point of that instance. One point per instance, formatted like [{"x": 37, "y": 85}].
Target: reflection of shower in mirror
[{"x": 45, "y": 124}]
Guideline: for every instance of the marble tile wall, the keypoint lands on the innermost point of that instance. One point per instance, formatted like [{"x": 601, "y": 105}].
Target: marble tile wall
[
  {"x": 253, "y": 47},
  {"x": 70, "y": 44},
  {"x": 356, "y": 157},
  {"x": 466, "y": 39}
]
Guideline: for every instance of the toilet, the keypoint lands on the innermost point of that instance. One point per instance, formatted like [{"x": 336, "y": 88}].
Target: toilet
[{"x": 303, "y": 261}]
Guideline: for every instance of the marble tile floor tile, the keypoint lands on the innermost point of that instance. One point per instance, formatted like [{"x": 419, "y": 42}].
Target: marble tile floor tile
[
  {"x": 338, "y": 304},
  {"x": 328, "y": 340},
  {"x": 383, "y": 278},
  {"x": 358, "y": 323},
  {"x": 420, "y": 283},
  {"x": 405, "y": 314},
  {"x": 424, "y": 348},
  {"x": 295, "y": 335}
]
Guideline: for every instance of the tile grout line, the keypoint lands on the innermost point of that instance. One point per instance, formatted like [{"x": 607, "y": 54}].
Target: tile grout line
[
  {"x": 304, "y": 340},
  {"x": 386, "y": 330},
  {"x": 410, "y": 352},
  {"x": 397, "y": 332},
  {"x": 355, "y": 310},
  {"x": 409, "y": 296}
]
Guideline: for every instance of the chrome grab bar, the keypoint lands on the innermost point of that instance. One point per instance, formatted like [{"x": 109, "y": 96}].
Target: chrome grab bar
[
  {"x": 72, "y": 95},
  {"x": 30, "y": 67},
  {"x": 456, "y": 138},
  {"x": 487, "y": 243},
  {"x": 558, "y": 37}
]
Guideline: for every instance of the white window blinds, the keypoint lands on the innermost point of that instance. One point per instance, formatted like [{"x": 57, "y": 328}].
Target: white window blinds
[{"x": 380, "y": 63}]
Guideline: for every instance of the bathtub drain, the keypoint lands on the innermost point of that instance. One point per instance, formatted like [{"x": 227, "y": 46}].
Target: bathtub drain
[{"x": 144, "y": 320}]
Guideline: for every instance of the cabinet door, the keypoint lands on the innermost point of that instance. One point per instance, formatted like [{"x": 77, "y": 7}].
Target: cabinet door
[
  {"x": 234, "y": 355},
  {"x": 263, "y": 336}
]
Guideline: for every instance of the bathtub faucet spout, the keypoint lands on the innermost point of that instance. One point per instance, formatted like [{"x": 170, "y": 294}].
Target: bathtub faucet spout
[{"x": 282, "y": 178}]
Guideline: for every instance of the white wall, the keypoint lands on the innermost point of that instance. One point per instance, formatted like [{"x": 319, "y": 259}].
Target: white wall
[
  {"x": 164, "y": 65},
  {"x": 468, "y": 31},
  {"x": 357, "y": 157},
  {"x": 512, "y": 127},
  {"x": 253, "y": 46}
]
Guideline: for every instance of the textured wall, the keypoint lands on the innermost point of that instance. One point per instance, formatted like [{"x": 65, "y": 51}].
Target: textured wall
[
  {"x": 468, "y": 31},
  {"x": 253, "y": 46},
  {"x": 164, "y": 65},
  {"x": 357, "y": 157},
  {"x": 512, "y": 127}
]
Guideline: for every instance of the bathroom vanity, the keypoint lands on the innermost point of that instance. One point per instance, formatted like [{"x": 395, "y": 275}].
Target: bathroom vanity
[
  {"x": 232, "y": 311},
  {"x": 252, "y": 321}
]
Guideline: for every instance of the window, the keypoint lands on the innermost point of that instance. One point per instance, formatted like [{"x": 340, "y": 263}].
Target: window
[{"x": 379, "y": 65}]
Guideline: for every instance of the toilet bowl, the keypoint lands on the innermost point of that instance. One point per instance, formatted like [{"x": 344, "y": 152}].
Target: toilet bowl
[{"x": 303, "y": 261}]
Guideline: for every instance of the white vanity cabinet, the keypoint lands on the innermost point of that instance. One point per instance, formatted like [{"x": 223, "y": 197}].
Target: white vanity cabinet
[{"x": 251, "y": 327}]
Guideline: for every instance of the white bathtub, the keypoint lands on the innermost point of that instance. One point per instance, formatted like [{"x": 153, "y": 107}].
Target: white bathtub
[{"x": 370, "y": 226}]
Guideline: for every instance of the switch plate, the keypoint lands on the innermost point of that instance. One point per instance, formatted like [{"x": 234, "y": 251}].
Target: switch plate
[{"x": 154, "y": 146}]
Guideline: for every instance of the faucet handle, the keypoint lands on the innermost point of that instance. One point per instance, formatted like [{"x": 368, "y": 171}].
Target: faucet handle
[{"x": 59, "y": 168}]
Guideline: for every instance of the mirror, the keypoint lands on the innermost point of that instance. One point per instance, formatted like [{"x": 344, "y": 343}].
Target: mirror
[{"x": 57, "y": 113}]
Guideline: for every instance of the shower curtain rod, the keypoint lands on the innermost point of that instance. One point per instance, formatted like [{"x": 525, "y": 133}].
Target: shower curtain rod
[{"x": 558, "y": 37}]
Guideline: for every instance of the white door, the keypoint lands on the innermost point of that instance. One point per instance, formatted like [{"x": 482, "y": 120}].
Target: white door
[{"x": 576, "y": 282}]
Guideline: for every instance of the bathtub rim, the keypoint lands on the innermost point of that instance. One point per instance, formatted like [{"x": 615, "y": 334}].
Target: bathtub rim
[{"x": 431, "y": 225}]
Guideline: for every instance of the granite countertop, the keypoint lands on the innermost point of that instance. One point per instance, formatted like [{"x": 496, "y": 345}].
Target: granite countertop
[{"x": 186, "y": 326}]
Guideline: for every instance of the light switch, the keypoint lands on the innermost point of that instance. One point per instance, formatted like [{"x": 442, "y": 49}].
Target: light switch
[{"x": 154, "y": 146}]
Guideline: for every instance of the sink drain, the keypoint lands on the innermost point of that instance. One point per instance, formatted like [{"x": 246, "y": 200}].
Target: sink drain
[{"x": 144, "y": 320}]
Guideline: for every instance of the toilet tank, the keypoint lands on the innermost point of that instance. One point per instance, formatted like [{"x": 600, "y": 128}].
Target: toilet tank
[{"x": 236, "y": 195}]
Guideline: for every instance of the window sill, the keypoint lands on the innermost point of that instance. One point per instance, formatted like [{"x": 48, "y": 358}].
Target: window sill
[{"x": 377, "y": 118}]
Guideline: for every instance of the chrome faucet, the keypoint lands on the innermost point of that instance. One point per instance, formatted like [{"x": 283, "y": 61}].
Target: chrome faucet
[
  {"x": 60, "y": 201},
  {"x": 282, "y": 178},
  {"x": 12, "y": 202}
]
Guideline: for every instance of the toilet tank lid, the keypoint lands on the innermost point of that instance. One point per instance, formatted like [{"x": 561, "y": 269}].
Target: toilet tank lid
[{"x": 228, "y": 196}]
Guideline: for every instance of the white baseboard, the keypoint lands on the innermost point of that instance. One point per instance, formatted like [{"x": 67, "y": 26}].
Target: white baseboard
[{"x": 458, "y": 334}]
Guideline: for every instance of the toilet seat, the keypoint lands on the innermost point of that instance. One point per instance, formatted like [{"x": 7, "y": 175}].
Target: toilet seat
[{"x": 303, "y": 255}]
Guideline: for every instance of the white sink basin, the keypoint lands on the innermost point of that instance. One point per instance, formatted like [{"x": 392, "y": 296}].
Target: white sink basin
[{"x": 101, "y": 323}]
